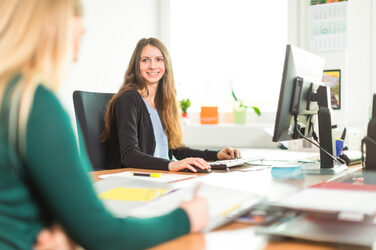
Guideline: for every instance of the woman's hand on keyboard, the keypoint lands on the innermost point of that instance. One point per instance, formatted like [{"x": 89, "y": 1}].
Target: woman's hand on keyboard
[
  {"x": 228, "y": 153},
  {"x": 188, "y": 163}
]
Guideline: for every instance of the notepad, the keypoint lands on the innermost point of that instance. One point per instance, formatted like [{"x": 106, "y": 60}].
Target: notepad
[{"x": 132, "y": 194}]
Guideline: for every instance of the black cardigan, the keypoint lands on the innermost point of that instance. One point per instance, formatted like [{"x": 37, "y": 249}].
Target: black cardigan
[{"x": 132, "y": 142}]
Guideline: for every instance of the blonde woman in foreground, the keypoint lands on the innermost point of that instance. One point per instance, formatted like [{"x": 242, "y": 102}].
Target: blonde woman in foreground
[{"x": 43, "y": 179}]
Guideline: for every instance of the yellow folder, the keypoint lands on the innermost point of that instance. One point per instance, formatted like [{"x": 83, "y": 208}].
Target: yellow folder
[{"x": 132, "y": 194}]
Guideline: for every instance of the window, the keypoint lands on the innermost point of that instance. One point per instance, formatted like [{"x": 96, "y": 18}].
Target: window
[{"x": 217, "y": 44}]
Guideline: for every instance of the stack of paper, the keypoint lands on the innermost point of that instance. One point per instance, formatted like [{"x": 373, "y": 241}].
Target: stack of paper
[
  {"x": 338, "y": 213},
  {"x": 347, "y": 199},
  {"x": 316, "y": 228},
  {"x": 137, "y": 198}
]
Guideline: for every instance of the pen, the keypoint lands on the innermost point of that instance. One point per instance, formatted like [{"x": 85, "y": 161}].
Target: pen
[{"x": 148, "y": 175}]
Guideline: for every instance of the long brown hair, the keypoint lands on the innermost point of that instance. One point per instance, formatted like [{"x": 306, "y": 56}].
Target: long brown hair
[{"x": 165, "y": 98}]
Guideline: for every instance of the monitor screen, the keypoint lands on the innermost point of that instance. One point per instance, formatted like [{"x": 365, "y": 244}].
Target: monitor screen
[
  {"x": 302, "y": 75},
  {"x": 303, "y": 99}
]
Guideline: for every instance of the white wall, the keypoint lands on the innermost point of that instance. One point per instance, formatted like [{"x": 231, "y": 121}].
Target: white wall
[
  {"x": 114, "y": 27},
  {"x": 112, "y": 30},
  {"x": 355, "y": 61},
  {"x": 357, "y": 64}
]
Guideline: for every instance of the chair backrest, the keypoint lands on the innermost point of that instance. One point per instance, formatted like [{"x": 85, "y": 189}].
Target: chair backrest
[{"x": 90, "y": 108}]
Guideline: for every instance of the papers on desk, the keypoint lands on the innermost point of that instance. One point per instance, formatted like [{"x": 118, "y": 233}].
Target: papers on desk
[
  {"x": 132, "y": 193},
  {"x": 163, "y": 178},
  {"x": 348, "y": 200},
  {"x": 154, "y": 199},
  {"x": 337, "y": 213},
  {"x": 321, "y": 229},
  {"x": 225, "y": 204},
  {"x": 122, "y": 194}
]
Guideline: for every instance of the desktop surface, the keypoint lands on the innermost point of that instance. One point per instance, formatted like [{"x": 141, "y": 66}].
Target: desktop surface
[{"x": 242, "y": 235}]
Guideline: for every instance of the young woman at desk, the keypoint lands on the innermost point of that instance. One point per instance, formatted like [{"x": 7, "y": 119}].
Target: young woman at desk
[
  {"x": 43, "y": 179},
  {"x": 142, "y": 122}
]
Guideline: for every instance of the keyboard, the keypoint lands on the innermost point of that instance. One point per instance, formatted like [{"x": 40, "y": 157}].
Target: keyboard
[{"x": 226, "y": 164}]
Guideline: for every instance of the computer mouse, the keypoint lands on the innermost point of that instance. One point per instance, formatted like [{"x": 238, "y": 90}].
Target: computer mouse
[{"x": 199, "y": 170}]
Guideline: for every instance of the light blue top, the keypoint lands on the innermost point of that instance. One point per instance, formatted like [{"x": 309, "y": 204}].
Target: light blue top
[{"x": 161, "y": 142}]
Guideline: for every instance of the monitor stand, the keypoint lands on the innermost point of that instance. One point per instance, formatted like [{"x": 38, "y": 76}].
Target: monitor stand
[
  {"x": 326, "y": 166},
  {"x": 316, "y": 169}
]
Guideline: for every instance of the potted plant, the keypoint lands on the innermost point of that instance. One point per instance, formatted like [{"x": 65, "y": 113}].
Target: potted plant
[
  {"x": 184, "y": 105},
  {"x": 240, "y": 109}
]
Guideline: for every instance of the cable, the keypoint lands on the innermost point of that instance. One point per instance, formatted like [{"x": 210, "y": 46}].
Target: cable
[
  {"x": 314, "y": 135},
  {"x": 337, "y": 160}
]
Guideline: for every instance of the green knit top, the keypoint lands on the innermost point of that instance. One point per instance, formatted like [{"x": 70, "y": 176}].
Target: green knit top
[{"x": 50, "y": 184}]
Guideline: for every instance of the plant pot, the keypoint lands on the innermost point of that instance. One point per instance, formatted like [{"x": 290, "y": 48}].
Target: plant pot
[
  {"x": 185, "y": 115},
  {"x": 240, "y": 115}
]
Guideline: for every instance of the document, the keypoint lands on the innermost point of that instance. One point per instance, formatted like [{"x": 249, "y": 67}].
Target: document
[
  {"x": 139, "y": 198},
  {"x": 121, "y": 194},
  {"x": 163, "y": 177},
  {"x": 225, "y": 204},
  {"x": 339, "y": 198},
  {"x": 322, "y": 229}
]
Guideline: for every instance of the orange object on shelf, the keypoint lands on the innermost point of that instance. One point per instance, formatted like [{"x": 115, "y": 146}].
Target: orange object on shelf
[{"x": 209, "y": 115}]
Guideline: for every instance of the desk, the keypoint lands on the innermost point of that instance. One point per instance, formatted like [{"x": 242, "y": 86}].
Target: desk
[{"x": 238, "y": 235}]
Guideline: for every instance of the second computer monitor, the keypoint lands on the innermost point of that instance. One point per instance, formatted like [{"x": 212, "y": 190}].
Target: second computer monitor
[
  {"x": 301, "y": 68},
  {"x": 303, "y": 97}
]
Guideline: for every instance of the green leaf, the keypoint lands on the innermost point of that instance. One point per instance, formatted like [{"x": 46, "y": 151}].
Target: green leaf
[
  {"x": 233, "y": 95},
  {"x": 241, "y": 104},
  {"x": 257, "y": 110},
  {"x": 184, "y": 105}
]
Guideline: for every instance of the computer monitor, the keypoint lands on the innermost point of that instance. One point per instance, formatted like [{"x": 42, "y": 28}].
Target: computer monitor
[
  {"x": 370, "y": 140},
  {"x": 304, "y": 99}
]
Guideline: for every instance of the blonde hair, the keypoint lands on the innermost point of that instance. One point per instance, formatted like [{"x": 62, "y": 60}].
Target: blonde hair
[
  {"x": 34, "y": 42},
  {"x": 165, "y": 98}
]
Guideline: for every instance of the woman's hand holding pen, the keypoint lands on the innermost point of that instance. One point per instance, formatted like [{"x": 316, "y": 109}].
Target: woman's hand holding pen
[
  {"x": 228, "y": 153},
  {"x": 188, "y": 163},
  {"x": 197, "y": 210}
]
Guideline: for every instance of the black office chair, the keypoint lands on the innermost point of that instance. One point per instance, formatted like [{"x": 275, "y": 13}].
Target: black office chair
[{"x": 90, "y": 109}]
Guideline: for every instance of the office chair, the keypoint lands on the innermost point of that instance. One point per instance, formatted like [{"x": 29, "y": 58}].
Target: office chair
[{"x": 90, "y": 109}]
